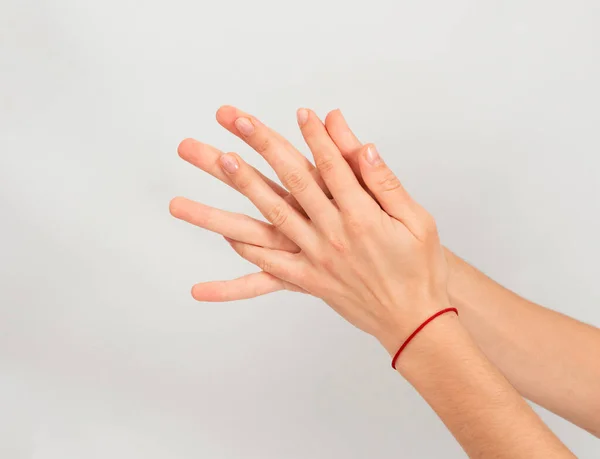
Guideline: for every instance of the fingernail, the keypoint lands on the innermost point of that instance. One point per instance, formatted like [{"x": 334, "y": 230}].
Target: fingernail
[
  {"x": 229, "y": 163},
  {"x": 244, "y": 125},
  {"x": 372, "y": 155},
  {"x": 302, "y": 116}
]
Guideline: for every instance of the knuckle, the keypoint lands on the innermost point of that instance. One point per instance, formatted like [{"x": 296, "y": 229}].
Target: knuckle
[
  {"x": 277, "y": 215},
  {"x": 355, "y": 225},
  {"x": 301, "y": 275},
  {"x": 262, "y": 145},
  {"x": 326, "y": 262},
  {"x": 337, "y": 243},
  {"x": 294, "y": 181},
  {"x": 389, "y": 182},
  {"x": 243, "y": 182},
  {"x": 325, "y": 164},
  {"x": 265, "y": 265}
]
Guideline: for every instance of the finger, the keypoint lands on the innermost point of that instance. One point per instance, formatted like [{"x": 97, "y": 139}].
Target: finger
[
  {"x": 227, "y": 116},
  {"x": 389, "y": 192},
  {"x": 332, "y": 166},
  {"x": 249, "y": 286},
  {"x": 283, "y": 265},
  {"x": 344, "y": 139},
  {"x": 207, "y": 157},
  {"x": 235, "y": 226},
  {"x": 274, "y": 208},
  {"x": 294, "y": 177}
]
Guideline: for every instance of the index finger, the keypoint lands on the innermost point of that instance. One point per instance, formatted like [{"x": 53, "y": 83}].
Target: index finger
[
  {"x": 226, "y": 117},
  {"x": 288, "y": 164},
  {"x": 206, "y": 157}
]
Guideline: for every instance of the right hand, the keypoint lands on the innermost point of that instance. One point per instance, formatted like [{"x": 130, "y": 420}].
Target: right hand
[
  {"x": 381, "y": 268},
  {"x": 241, "y": 227}
]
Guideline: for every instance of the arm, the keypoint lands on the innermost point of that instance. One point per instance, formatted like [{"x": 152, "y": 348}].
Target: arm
[
  {"x": 558, "y": 351},
  {"x": 480, "y": 408},
  {"x": 549, "y": 358},
  {"x": 375, "y": 258}
]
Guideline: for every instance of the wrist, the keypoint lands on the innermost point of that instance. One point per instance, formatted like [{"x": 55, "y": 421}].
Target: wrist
[
  {"x": 470, "y": 395},
  {"x": 400, "y": 337},
  {"x": 440, "y": 338}
]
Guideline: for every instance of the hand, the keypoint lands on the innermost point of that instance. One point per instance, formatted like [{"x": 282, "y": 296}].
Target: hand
[
  {"x": 381, "y": 269},
  {"x": 241, "y": 227}
]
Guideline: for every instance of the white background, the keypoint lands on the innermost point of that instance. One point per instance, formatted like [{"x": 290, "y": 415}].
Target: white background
[{"x": 488, "y": 111}]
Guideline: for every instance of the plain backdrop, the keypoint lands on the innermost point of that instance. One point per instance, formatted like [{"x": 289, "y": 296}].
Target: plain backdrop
[{"x": 488, "y": 111}]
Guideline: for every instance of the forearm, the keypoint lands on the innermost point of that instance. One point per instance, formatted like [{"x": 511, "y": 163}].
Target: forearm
[
  {"x": 549, "y": 358},
  {"x": 481, "y": 409}
]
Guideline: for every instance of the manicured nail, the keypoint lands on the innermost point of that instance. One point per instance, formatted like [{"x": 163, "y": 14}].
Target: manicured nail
[
  {"x": 229, "y": 163},
  {"x": 372, "y": 155},
  {"x": 302, "y": 116},
  {"x": 244, "y": 125}
]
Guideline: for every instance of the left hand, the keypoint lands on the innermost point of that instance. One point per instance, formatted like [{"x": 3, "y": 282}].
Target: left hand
[{"x": 378, "y": 263}]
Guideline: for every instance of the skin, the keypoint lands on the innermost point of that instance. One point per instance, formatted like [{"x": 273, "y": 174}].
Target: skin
[
  {"x": 527, "y": 342},
  {"x": 373, "y": 254},
  {"x": 550, "y": 358}
]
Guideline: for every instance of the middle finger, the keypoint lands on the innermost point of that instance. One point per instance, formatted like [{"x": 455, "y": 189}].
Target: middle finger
[
  {"x": 289, "y": 168},
  {"x": 234, "y": 226}
]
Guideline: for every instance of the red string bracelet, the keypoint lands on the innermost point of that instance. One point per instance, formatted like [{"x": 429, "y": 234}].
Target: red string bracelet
[{"x": 419, "y": 328}]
